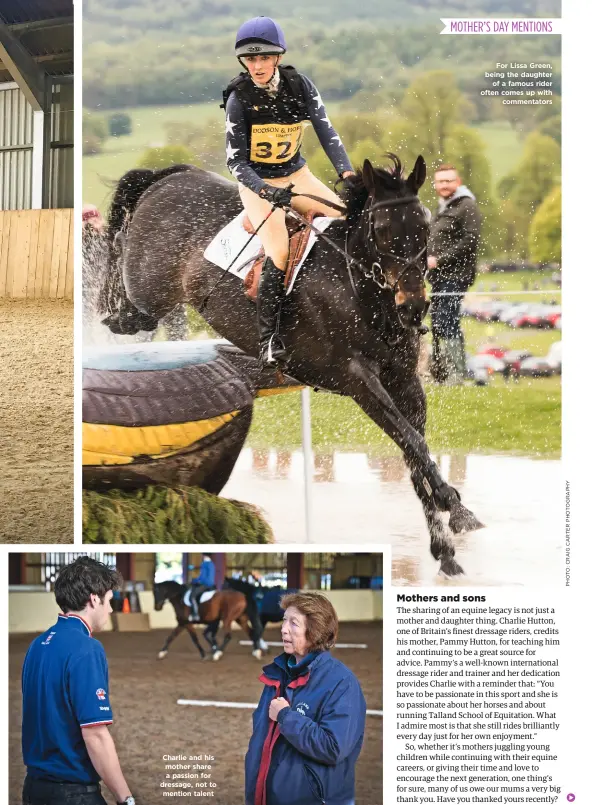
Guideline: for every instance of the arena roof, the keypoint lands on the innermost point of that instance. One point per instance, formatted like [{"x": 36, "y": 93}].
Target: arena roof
[{"x": 44, "y": 29}]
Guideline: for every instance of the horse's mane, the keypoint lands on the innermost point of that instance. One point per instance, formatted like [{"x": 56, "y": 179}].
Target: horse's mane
[{"x": 354, "y": 193}]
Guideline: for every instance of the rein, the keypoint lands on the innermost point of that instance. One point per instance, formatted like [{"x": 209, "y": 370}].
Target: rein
[{"x": 376, "y": 274}]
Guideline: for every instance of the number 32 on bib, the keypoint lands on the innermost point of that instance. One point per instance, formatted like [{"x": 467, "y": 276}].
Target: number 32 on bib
[{"x": 275, "y": 142}]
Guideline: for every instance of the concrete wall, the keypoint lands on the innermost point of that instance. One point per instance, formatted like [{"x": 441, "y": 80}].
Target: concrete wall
[{"x": 34, "y": 612}]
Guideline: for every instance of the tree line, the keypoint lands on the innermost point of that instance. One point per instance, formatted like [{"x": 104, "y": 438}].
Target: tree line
[{"x": 355, "y": 57}]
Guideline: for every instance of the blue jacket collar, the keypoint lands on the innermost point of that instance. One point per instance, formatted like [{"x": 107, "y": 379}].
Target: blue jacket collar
[{"x": 278, "y": 668}]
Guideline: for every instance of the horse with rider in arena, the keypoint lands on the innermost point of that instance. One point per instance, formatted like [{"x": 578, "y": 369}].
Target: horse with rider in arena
[{"x": 214, "y": 607}]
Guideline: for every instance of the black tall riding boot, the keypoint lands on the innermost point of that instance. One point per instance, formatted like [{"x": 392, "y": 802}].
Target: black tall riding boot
[{"x": 268, "y": 306}]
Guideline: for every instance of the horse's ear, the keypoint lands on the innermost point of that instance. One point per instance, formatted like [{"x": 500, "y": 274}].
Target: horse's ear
[
  {"x": 417, "y": 176},
  {"x": 368, "y": 176}
]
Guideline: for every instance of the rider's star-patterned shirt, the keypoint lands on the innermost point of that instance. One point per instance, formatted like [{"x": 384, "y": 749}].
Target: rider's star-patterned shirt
[
  {"x": 259, "y": 152},
  {"x": 65, "y": 690}
]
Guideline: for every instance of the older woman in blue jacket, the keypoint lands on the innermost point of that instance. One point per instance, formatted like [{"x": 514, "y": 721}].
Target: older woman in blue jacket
[{"x": 309, "y": 724}]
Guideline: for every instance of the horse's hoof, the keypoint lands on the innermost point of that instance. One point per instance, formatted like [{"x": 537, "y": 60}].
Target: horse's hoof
[
  {"x": 130, "y": 322},
  {"x": 162, "y": 655},
  {"x": 461, "y": 520},
  {"x": 217, "y": 656},
  {"x": 449, "y": 567},
  {"x": 257, "y": 653},
  {"x": 113, "y": 324},
  {"x": 138, "y": 320}
]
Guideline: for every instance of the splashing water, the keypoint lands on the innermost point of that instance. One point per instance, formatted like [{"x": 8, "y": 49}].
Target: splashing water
[
  {"x": 358, "y": 498},
  {"x": 95, "y": 255}
]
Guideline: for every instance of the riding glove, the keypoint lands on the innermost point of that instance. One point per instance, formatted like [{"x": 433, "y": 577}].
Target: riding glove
[{"x": 277, "y": 196}]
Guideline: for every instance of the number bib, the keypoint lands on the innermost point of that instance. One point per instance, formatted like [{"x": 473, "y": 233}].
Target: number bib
[{"x": 276, "y": 142}]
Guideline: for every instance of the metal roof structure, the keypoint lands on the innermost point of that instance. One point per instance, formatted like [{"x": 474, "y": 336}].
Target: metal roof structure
[
  {"x": 36, "y": 103},
  {"x": 39, "y": 29}
]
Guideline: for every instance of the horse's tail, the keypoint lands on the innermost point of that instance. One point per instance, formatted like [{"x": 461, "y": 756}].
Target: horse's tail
[
  {"x": 127, "y": 194},
  {"x": 240, "y": 586}
]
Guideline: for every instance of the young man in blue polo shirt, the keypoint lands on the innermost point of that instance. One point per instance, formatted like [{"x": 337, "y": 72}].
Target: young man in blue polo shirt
[{"x": 67, "y": 746}]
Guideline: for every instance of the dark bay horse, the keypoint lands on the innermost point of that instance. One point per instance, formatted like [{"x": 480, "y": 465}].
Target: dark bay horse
[
  {"x": 226, "y": 605},
  {"x": 267, "y": 601},
  {"x": 353, "y": 329}
]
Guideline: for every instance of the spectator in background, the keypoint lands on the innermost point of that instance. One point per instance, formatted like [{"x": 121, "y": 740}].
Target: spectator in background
[
  {"x": 92, "y": 220},
  {"x": 452, "y": 257},
  {"x": 93, "y": 231}
]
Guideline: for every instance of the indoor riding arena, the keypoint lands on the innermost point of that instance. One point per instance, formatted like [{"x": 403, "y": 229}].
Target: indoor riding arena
[
  {"x": 36, "y": 414},
  {"x": 144, "y": 691},
  {"x": 36, "y": 271}
]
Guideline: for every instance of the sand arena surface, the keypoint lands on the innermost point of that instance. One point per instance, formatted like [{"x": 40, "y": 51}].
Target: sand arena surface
[
  {"x": 148, "y": 723},
  {"x": 36, "y": 421}
]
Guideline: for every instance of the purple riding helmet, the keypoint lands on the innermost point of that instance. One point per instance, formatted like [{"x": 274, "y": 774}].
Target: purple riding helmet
[{"x": 260, "y": 36}]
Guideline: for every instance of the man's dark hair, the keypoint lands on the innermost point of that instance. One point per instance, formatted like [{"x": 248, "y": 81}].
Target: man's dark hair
[{"x": 81, "y": 579}]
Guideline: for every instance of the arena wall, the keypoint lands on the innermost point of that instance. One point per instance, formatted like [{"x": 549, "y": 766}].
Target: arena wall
[
  {"x": 37, "y": 254},
  {"x": 33, "y": 611}
]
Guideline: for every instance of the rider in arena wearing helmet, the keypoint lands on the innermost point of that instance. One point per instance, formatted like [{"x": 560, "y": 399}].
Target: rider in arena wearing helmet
[
  {"x": 203, "y": 582},
  {"x": 266, "y": 110}
]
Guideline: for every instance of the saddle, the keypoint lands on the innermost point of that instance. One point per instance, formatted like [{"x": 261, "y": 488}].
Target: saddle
[
  {"x": 204, "y": 597},
  {"x": 298, "y": 240}
]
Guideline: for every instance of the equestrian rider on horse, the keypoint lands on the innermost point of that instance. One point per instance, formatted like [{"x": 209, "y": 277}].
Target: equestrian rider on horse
[
  {"x": 203, "y": 582},
  {"x": 267, "y": 108}
]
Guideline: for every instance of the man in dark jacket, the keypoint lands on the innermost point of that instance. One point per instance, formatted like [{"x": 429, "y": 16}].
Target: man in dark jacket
[
  {"x": 309, "y": 724},
  {"x": 452, "y": 255}
]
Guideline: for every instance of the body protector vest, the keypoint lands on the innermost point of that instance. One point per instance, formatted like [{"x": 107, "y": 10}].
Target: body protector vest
[{"x": 274, "y": 123}]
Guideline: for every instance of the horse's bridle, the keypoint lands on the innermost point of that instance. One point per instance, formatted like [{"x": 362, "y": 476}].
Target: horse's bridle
[{"x": 376, "y": 274}]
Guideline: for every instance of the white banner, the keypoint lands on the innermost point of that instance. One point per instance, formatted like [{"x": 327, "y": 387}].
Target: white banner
[{"x": 507, "y": 25}]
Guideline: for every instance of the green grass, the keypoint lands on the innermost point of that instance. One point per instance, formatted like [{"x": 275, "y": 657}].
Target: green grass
[
  {"x": 149, "y": 124},
  {"x": 520, "y": 418},
  {"x": 503, "y": 145},
  {"x": 99, "y": 171},
  {"x": 517, "y": 418},
  {"x": 119, "y": 154},
  {"x": 516, "y": 281},
  {"x": 479, "y": 334}
]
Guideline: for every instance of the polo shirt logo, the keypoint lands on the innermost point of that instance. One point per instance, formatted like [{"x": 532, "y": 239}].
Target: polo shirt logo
[
  {"x": 46, "y": 642},
  {"x": 302, "y": 707},
  {"x": 100, "y": 693}
]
